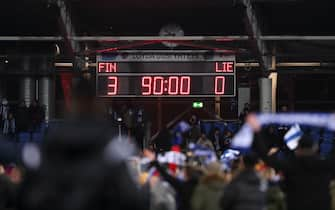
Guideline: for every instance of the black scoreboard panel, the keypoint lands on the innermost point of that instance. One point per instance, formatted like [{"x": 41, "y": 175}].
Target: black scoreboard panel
[
  {"x": 173, "y": 85},
  {"x": 166, "y": 79}
]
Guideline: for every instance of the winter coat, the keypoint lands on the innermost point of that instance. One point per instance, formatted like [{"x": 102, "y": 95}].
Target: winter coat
[
  {"x": 162, "y": 197},
  {"x": 307, "y": 178},
  {"x": 332, "y": 192},
  {"x": 184, "y": 189},
  {"x": 275, "y": 198},
  {"x": 208, "y": 193},
  {"x": 82, "y": 170},
  {"x": 244, "y": 193}
]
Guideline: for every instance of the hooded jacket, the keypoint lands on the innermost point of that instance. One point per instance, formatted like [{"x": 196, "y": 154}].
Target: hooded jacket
[
  {"x": 208, "y": 193},
  {"x": 307, "y": 178},
  {"x": 244, "y": 193}
]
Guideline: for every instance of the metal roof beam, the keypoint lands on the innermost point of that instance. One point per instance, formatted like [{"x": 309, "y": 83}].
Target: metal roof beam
[
  {"x": 238, "y": 65},
  {"x": 167, "y": 38},
  {"x": 255, "y": 33},
  {"x": 67, "y": 26}
]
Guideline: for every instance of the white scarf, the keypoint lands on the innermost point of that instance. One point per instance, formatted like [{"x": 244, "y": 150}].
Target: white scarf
[{"x": 244, "y": 138}]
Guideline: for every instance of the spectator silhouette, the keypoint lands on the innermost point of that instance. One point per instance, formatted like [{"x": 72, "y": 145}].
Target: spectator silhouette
[
  {"x": 80, "y": 168},
  {"x": 307, "y": 175},
  {"x": 244, "y": 192},
  {"x": 37, "y": 115},
  {"x": 9, "y": 128},
  {"x": 22, "y": 118}
]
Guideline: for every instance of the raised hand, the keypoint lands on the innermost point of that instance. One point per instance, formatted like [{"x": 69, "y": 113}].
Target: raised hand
[{"x": 253, "y": 122}]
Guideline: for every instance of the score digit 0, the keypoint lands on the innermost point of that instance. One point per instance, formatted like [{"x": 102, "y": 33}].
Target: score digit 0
[{"x": 219, "y": 85}]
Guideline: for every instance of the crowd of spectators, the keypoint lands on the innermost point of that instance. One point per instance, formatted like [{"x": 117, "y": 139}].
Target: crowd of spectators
[
  {"x": 81, "y": 167},
  {"x": 270, "y": 177},
  {"x": 206, "y": 174},
  {"x": 133, "y": 120},
  {"x": 20, "y": 118},
  {"x": 217, "y": 138}
]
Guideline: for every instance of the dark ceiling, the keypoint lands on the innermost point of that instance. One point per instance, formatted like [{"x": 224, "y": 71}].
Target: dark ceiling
[
  {"x": 135, "y": 17},
  {"x": 146, "y": 17}
]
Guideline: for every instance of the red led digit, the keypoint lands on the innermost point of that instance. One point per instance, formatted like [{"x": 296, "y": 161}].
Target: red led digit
[
  {"x": 158, "y": 85},
  {"x": 146, "y": 86},
  {"x": 219, "y": 85},
  {"x": 185, "y": 85},
  {"x": 173, "y": 86},
  {"x": 112, "y": 86}
]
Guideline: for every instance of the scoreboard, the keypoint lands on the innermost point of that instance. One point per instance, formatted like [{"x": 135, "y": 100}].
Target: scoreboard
[{"x": 165, "y": 76}]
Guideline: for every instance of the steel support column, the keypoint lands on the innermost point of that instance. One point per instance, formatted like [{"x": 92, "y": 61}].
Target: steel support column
[
  {"x": 46, "y": 96},
  {"x": 265, "y": 96},
  {"x": 274, "y": 78},
  {"x": 265, "y": 84},
  {"x": 27, "y": 90},
  {"x": 28, "y": 84},
  {"x": 256, "y": 33}
]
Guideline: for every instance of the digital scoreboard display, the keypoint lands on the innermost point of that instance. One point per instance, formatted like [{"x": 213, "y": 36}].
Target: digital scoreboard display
[{"x": 165, "y": 78}]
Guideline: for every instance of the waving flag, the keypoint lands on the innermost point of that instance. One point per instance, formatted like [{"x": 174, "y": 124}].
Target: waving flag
[
  {"x": 182, "y": 127},
  {"x": 200, "y": 151},
  {"x": 244, "y": 138},
  {"x": 228, "y": 157},
  {"x": 293, "y": 136}
]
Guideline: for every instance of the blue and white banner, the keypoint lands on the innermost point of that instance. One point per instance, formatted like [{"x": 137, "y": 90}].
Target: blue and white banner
[
  {"x": 311, "y": 119},
  {"x": 244, "y": 138},
  {"x": 228, "y": 157},
  {"x": 182, "y": 127},
  {"x": 293, "y": 136},
  {"x": 204, "y": 152},
  {"x": 172, "y": 157}
]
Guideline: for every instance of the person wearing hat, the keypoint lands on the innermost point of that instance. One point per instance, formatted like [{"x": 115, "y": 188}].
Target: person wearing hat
[
  {"x": 245, "y": 190},
  {"x": 183, "y": 187},
  {"x": 209, "y": 191},
  {"x": 307, "y": 176}
]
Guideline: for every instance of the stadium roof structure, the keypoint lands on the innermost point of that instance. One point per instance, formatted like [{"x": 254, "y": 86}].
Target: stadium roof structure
[{"x": 253, "y": 30}]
